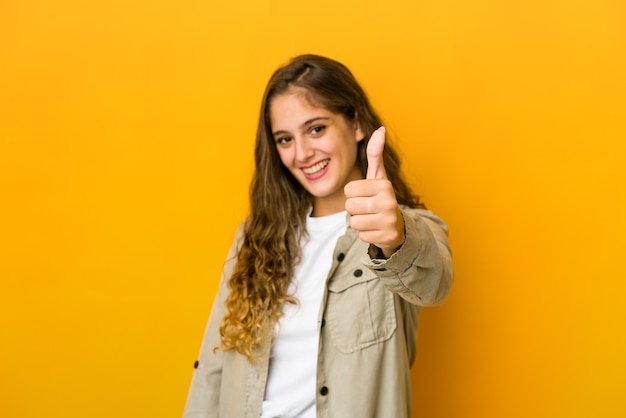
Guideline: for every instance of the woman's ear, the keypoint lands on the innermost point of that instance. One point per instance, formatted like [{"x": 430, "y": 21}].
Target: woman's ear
[{"x": 358, "y": 132}]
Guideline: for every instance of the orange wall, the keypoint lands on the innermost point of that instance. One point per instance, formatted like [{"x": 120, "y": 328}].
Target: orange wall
[{"x": 126, "y": 134}]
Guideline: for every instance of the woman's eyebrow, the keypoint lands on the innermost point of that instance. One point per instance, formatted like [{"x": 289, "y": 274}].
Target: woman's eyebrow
[
  {"x": 313, "y": 120},
  {"x": 306, "y": 123}
]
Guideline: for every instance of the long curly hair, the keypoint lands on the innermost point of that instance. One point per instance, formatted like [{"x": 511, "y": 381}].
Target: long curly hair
[{"x": 270, "y": 248}]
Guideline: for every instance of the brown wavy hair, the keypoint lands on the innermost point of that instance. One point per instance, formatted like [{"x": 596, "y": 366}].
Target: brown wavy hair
[{"x": 270, "y": 248}]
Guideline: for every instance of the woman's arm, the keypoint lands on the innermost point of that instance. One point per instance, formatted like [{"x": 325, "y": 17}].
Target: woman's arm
[
  {"x": 421, "y": 270},
  {"x": 204, "y": 393}
]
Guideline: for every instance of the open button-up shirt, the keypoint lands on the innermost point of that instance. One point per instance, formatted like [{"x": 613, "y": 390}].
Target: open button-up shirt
[{"x": 367, "y": 325}]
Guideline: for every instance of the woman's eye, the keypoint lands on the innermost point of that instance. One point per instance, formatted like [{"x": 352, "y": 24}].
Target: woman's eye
[
  {"x": 282, "y": 140},
  {"x": 317, "y": 129}
]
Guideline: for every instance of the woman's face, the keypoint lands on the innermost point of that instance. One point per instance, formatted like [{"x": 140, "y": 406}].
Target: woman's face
[{"x": 317, "y": 146}]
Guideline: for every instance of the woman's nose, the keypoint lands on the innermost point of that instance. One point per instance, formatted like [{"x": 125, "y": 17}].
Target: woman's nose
[{"x": 304, "y": 151}]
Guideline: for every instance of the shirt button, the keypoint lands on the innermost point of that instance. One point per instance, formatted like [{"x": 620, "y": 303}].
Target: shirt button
[
  {"x": 340, "y": 257},
  {"x": 324, "y": 391},
  {"x": 358, "y": 273},
  {"x": 196, "y": 364}
]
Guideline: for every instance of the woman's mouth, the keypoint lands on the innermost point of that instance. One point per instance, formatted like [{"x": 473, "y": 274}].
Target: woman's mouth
[{"x": 316, "y": 170}]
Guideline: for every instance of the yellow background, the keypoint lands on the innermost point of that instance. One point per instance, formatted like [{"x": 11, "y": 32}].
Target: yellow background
[{"x": 126, "y": 134}]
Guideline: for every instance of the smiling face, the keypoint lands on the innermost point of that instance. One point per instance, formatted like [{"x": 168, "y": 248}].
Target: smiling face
[{"x": 317, "y": 146}]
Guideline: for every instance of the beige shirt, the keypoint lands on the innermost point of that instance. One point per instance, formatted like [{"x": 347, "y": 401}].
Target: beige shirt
[{"x": 367, "y": 325}]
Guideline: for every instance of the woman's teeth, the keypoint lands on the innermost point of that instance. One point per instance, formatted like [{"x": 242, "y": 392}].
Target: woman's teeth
[{"x": 316, "y": 168}]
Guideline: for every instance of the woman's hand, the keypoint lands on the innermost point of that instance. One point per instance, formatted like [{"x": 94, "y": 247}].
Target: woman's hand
[{"x": 372, "y": 202}]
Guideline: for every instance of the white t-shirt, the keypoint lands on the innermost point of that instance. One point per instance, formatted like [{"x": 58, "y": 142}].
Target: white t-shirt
[{"x": 290, "y": 390}]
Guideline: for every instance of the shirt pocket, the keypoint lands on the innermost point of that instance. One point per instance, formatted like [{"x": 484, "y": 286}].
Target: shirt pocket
[{"x": 360, "y": 312}]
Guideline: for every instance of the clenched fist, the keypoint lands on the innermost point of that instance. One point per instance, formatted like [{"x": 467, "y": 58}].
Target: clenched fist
[{"x": 372, "y": 202}]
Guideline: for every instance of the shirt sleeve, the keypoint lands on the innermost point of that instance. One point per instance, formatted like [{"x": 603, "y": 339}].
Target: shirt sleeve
[
  {"x": 204, "y": 392},
  {"x": 421, "y": 270}
]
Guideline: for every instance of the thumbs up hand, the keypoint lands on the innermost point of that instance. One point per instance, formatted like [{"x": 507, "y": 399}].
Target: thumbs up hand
[{"x": 372, "y": 202}]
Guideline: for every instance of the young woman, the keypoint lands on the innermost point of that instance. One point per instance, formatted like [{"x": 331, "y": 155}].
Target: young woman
[{"x": 317, "y": 309}]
